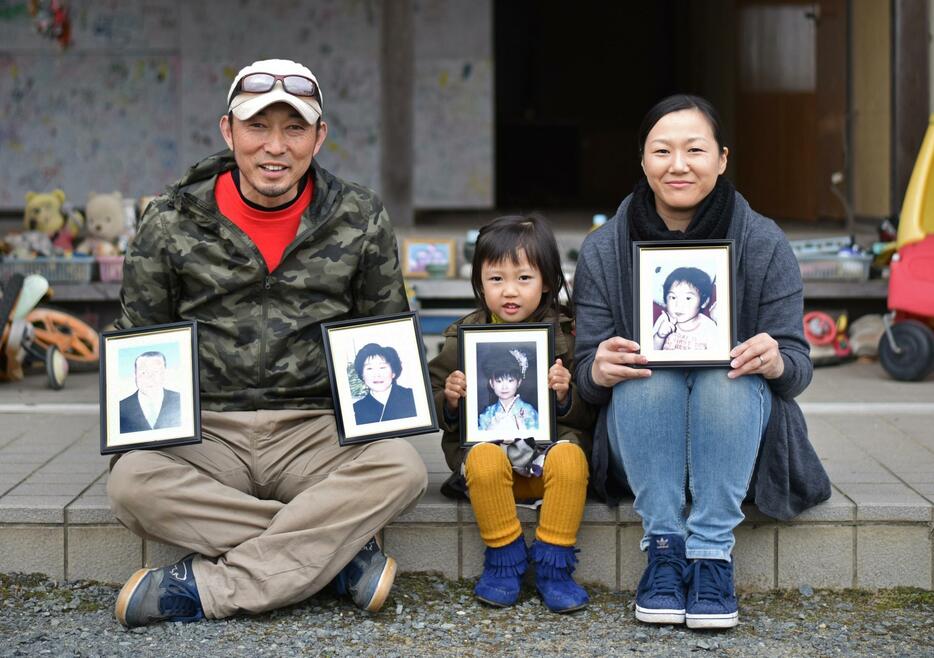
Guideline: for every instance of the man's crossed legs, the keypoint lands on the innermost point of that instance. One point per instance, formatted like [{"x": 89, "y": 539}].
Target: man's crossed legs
[{"x": 273, "y": 506}]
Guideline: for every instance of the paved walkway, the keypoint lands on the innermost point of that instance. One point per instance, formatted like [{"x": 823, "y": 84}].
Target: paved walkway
[{"x": 873, "y": 434}]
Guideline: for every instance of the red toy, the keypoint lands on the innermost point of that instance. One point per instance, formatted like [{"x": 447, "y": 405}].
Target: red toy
[{"x": 906, "y": 349}]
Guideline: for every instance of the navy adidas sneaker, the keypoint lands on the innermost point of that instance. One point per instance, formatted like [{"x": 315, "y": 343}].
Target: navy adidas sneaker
[
  {"x": 368, "y": 577},
  {"x": 711, "y": 597},
  {"x": 164, "y": 594},
  {"x": 660, "y": 597}
]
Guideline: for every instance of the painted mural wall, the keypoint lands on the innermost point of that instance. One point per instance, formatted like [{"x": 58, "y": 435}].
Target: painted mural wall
[{"x": 136, "y": 99}]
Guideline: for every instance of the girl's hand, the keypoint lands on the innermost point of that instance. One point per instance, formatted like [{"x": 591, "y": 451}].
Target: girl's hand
[
  {"x": 613, "y": 359},
  {"x": 455, "y": 388},
  {"x": 559, "y": 380},
  {"x": 757, "y": 356}
]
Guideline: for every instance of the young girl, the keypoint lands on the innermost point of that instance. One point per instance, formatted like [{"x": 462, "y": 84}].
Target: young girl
[
  {"x": 507, "y": 368},
  {"x": 517, "y": 277},
  {"x": 682, "y": 326}
]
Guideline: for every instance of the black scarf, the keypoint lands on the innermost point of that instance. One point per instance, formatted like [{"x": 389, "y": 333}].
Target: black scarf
[{"x": 710, "y": 222}]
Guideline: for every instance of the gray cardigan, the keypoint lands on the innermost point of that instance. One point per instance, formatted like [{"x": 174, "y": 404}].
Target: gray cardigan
[{"x": 789, "y": 476}]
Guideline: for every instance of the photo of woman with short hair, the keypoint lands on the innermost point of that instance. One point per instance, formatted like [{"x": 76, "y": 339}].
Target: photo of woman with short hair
[{"x": 379, "y": 368}]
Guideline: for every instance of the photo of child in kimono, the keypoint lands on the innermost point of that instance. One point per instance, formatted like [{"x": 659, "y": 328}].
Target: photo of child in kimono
[
  {"x": 505, "y": 367},
  {"x": 684, "y": 323}
]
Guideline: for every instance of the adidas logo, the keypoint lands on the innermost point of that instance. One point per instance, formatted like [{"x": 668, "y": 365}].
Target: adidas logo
[
  {"x": 179, "y": 571},
  {"x": 661, "y": 543}
]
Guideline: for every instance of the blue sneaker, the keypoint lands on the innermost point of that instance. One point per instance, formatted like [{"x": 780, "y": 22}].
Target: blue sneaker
[
  {"x": 711, "y": 601},
  {"x": 660, "y": 597},
  {"x": 165, "y": 594},
  {"x": 553, "y": 568},
  {"x": 368, "y": 577},
  {"x": 501, "y": 579}
]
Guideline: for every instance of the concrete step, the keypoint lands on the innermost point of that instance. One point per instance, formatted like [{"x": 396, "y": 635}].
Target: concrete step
[
  {"x": 875, "y": 531},
  {"x": 57, "y": 521}
]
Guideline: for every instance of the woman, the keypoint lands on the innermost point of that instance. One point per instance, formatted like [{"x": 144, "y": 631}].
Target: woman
[
  {"x": 701, "y": 428},
  {"x": 378, "y": 367}
]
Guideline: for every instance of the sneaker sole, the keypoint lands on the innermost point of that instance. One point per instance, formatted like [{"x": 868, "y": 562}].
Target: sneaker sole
[
  {"x": 659, "y": 616},
  {"x": 383, "y": 587},
  {"x": 712, "y": 621},
  {"x": 126, "y": 593}
]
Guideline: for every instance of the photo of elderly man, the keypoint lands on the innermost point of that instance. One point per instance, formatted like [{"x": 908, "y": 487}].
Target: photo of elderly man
[{"x": 152, "y": 406}]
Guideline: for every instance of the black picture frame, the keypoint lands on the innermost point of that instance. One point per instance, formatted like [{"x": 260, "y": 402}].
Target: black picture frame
[
  {"x": 701, "y": 271},
  {"x": 399, "y": 339},
  {"x": 482, "y": 348},
  {"x": 128, "y": 355}
]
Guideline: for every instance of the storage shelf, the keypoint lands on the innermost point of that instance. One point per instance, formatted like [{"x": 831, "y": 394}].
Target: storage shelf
[{"x": 460, "y": 289}]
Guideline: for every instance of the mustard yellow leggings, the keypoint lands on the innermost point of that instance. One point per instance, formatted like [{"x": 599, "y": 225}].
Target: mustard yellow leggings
[{"x": 495, "y": 487}]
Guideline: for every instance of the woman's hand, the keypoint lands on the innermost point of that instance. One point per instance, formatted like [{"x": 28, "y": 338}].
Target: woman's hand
[
  {"x": 559, "y": 380},
  {"x": 611, "y": 363},
  {"x": 455, "y": 388},
  {"x": 757, "y": 356}
]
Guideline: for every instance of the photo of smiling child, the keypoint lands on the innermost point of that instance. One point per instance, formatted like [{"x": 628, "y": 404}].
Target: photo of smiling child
[
  {"x": 684, "y": 323},
  {"x": 506, "y": 367}
]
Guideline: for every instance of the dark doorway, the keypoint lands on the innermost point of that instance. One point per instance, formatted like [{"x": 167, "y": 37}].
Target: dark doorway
[
  {"x": 572, "y": 84},
  {"x": 574, "y": 80}
]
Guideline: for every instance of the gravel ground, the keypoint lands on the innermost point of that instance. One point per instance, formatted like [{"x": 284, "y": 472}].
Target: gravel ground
[{"x": 429, "y": 616}]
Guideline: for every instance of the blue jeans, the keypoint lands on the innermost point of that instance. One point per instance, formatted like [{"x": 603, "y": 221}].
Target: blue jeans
[{"x": 691, "y": 425}]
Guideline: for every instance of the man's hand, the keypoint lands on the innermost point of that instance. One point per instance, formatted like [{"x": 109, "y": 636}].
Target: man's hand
[
  {"x": 559, "y": 380},
  {"x": 757, "y": 356},
  {"x": 455, "y": 388},
  {"x": 613, "y": 359}
]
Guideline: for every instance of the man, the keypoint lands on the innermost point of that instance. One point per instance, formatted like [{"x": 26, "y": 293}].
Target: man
[
  {"x": 152, "y": 406},
  {"x": 260, "y": 245}
]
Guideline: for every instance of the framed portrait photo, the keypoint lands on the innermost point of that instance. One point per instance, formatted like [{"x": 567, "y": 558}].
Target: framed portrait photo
[
  {"x": 506, "y": 366},
  {"x": 379, "y": 378},
  {"x": 425, "y": 257},
  {"x": 684, "y": 302},
  {"x": 149, "y": 390}
]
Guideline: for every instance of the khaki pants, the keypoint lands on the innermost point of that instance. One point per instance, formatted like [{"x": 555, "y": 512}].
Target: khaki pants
[{"x": 270, "y": 501}]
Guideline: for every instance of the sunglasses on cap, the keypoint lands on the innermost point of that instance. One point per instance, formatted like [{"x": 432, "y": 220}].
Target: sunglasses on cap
[{"x": 260, "y": 83}]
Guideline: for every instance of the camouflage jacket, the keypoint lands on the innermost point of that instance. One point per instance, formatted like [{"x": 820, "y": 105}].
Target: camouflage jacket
[{"x": 259, "y": 332}]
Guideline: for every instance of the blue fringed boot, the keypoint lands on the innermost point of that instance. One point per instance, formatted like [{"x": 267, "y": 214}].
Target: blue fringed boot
[
  {"x": 502, "y": 573},
  {"x": 553, "y": 568}
]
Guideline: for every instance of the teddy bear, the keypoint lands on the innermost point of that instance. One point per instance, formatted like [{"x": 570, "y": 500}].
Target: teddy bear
[
  {"x": 104, "y": 224},
  {"x": 50, "y": 227}
]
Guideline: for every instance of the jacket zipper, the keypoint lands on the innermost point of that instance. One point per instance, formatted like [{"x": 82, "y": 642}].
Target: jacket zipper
[
  {"x": 267, "y": 285},
  {"x": 267, "y": 282}
]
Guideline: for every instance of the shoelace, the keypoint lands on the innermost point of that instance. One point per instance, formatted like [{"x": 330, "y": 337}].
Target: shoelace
[
  {"x": 665, "y": 576},
  {"x": 709, "y": 579},
  {"x": 178, "y": 601}
]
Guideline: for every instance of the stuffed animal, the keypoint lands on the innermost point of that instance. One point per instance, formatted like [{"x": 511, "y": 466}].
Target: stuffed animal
[
  {"x": 49, "y": 214},
  {"x": 105, "y": 224}
]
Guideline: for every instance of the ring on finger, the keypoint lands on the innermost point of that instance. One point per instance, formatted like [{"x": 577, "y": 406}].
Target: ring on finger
[{"x": 761, "y": 361}]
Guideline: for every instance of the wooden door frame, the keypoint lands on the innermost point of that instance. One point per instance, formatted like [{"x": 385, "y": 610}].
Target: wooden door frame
[{"x": 910, "y": 91}]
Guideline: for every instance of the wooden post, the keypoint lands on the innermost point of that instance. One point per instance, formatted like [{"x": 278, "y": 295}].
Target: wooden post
[
  {"x": 910, "y": 93},
  {"x": 397, "y": 110}
]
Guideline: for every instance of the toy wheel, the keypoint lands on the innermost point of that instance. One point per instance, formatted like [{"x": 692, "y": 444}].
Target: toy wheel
[
  {"x": 819, "y": 328},
  {"x": 56, "y": 367},
  {"x": 915, "y": 357},
  {"x": 75, "y": 339}
]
